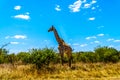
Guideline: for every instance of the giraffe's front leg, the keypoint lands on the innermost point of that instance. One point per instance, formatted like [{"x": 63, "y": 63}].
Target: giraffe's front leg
[
  {"x": 70, "y": 59},
  {"x": 61, "y": 54},
  {"x": 69, "y": 54}
]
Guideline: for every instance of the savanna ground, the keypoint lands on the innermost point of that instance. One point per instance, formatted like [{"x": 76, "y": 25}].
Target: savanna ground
[{"x": 79, "y": 71}]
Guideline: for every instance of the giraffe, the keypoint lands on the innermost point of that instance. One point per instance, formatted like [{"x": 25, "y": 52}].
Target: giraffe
[{"x": 62, "y": 46}]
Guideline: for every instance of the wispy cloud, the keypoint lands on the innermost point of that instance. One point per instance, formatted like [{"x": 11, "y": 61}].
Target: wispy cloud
[
  {"x": 14, "y": 42},
  {"x": 93, "y": 8},
  {"x": 84, "y": 1},
  {"x": 97, "y": 42},
  {"x": 17, "y": 7},
  {"x": 111, "y": 46},
  {"x": 20, "y": 37},
  {"x": 90, "y": 37},
  {"x": 113, "y": 40},
  {"x": 93, "y": 1},
  {"x": 94, "y": 37},
  {"x": 81, "y": 4},
  {"x": 91, "y": 18},
  {"x": 17, "y": 37},
  {"x": 7, "y": 37},
  {"x": 87, "y": 5},
  {"x": 83, "y": 45},
  {"x": 46, "y": 42},
  {"x": 57, "y": 8},
  {"x": 75, "y": 7},
  {"x": 99, "y": 27},
  {"x": 27, "y": 13},
  {"x": 110, "y": 39},
  {"x": 22, "y": 16},
  {"x": 116, "y": 41},
  {"x": 100, "y": 35}
]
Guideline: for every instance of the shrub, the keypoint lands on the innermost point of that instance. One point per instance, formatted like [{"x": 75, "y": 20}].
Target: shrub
[
  {"x": 42, "y": 57},
  {"x": 107, "y": 54},
  {"x": 24, "y": 57},
  {"x": 3, "y": 55},
  {"x": 11, "y": 58}
]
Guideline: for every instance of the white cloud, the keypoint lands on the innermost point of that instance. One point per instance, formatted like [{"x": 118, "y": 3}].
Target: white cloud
[
  {"x": 46, "y": 40},
  {"x": 57, "y": 8},
  {"x": 100, "y": 35},
  {"x": 87, "y": 5},
  {"x": 22, "y": 16},
  {"x": 116, "y": 41},
  {"x": 91, "y": 37},
  {"x": 75, "y": 7},
  {"x": 69, "y": 44},
  {"x": 84, "y": 1},
  {"x": 27, "y": 13},
  {"x": 99, "y": 27},
  {"x": 20, "y": 37},
  {"x": 16, "y": 37},
  {"x": 91, "y": 18},
  {"x": 97, "y": 42},
  {"x": 17, "y": 7},
  {"x": 110, "y": 46},
  {"x": 93, "y": 2},
  {"x": 7, "y": 37},
  {"x": 111, "y": 39},
  {"x": 93, "y": 8},
  {"x": 83, "y": 45},
  {"x": 14, "y": 42}
]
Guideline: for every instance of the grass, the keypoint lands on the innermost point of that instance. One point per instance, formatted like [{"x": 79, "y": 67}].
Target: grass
[{"x": 79, "y": 71}]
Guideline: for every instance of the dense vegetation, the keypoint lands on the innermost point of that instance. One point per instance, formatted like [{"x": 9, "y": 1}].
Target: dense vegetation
[
  {"x": 44, "y": 57},
  {"x": 39, "y": 64}
]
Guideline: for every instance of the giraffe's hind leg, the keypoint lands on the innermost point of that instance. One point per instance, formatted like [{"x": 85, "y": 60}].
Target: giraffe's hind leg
[
  {"x": 62, "y": 59},
  {"x": 61, "y": 54},
  {"x": 69, "y": 54},
  {"x": 70, "y": 61}
]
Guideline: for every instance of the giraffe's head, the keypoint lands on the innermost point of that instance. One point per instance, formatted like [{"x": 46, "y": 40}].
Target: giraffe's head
[{"x": 51, "y": 28}]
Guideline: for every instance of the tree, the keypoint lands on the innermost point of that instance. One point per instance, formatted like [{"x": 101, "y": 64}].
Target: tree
[
  {"x": 24, "y": 57},
  {"x": 42, "y": 57},
  {"x": 107, "y": 54}
]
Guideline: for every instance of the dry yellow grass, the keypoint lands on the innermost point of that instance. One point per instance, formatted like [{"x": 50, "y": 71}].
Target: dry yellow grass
[{"x": 79, "y": 71}]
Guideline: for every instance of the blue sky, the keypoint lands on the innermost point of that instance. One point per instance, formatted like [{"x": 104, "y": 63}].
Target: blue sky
[{"x": 83, "y": 24}]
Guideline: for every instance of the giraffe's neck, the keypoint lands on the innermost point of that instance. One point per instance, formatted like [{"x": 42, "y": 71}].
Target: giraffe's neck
[{"x": 57, "y": 36}]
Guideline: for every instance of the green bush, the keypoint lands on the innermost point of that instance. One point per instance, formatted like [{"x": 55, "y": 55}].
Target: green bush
[
  {"x": 3, "y": 56},
  {"x": 42, "y": 57},
  {"x": 107, "y": 54},
  {"x": 100, "y": 54},
  {"x": 24, "y": 57},
  {"x": 11, "y": 58}
]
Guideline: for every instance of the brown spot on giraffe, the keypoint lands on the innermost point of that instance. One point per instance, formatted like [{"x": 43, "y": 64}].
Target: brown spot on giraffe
[{"x": 62, "y": 46}]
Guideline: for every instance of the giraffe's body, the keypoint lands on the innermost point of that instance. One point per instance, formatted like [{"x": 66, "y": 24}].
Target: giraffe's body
[{"x": 62, "y": 46}]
